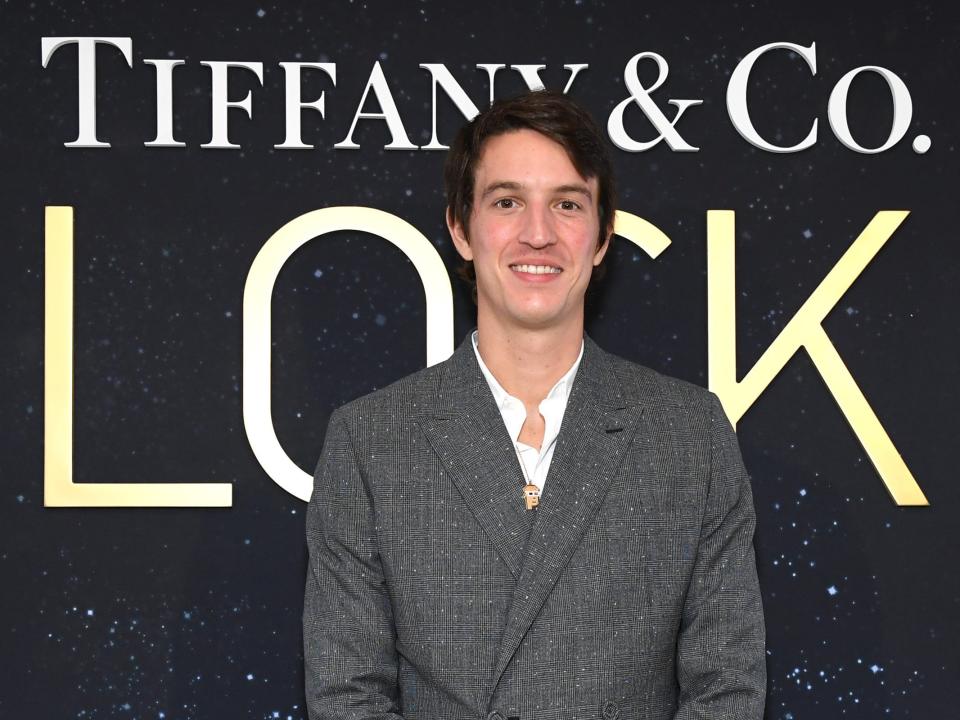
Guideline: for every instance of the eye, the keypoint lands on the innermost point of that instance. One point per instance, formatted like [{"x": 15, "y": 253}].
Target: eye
[
  {"x": 568, "y": 205},
  {"x": 505, "y": 203}
]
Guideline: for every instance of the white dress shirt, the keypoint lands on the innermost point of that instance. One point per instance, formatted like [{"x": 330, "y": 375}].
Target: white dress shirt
[{"x": 535, "y": 463}]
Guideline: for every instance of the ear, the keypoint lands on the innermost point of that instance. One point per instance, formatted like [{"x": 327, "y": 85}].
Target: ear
[
  {"x": 459, "y": 236},
  {"x": 602, "y": 250}
]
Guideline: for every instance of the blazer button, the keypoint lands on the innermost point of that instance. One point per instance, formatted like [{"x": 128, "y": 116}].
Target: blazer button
[
  {"x": 610, "y": 710},
  {"x": 495, "y": 715}
]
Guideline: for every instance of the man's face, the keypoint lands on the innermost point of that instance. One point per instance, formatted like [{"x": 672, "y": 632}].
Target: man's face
[{"x": 532, "y": 232}]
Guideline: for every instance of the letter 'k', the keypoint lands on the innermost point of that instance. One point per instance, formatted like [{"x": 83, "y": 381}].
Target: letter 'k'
[{"x": 804, "y": 330}]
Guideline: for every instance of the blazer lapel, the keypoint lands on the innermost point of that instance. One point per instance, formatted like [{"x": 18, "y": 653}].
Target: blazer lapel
[
  {"x": 594, "y": 437},
  {"x": 467, "y": 432}
]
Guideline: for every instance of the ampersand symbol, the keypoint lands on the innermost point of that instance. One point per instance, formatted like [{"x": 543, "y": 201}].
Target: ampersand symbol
[{"x": 641, "y": 96}]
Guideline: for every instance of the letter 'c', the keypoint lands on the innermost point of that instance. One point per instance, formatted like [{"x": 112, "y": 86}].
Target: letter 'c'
[
  {"x": 737, "y": 108},
  {"x": 257, "y": 298}
]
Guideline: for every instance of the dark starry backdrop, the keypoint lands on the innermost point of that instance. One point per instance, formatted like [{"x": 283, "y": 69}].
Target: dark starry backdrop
[{"x": 192, "y": 613}]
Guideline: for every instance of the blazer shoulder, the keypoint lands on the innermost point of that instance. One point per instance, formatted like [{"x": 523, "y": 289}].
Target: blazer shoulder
[
  {"x": 393, "y": 403},
  {"x": 651, "y": 388},
  {"x": 676, "y": 407}
]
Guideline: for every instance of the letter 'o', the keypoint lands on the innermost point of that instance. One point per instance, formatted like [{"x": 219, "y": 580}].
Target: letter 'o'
[{"x": 257, "y": 297}]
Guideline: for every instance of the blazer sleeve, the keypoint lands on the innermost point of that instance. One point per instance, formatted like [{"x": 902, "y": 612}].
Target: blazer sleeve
[
  {"x": 721, "y": 663},
  {"x": 349, "y": 639}
]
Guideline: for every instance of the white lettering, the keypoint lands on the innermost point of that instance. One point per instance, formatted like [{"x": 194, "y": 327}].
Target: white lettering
[
  {"x": 220, "y": 104},
  {"x": 294, "y": 103},
  {"x": 86, "y": 79},
  {"x": 737, "y": 97},
  {"x": 388, "y": 113}
]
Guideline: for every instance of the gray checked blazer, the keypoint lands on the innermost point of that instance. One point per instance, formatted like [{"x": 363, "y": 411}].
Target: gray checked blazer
[{"x": 630, "y": 592}]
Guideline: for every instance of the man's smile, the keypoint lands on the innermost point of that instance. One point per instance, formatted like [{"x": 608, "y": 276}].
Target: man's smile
[{"x": 536, "y": 269}]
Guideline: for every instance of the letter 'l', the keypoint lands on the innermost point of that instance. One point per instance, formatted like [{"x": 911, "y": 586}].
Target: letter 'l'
[
  {"x": 59, "y": 489},
  {"x": 804, "y": 330}
]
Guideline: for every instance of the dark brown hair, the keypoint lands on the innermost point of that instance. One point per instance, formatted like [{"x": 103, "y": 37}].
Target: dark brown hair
[{"x": 553, "y": 115}]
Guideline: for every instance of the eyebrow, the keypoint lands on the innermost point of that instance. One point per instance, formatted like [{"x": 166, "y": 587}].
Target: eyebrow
[
  {"x": 501, "y": 185},
  {"x": 582, "y": 189},
  {"x": 515, "y": 186}
]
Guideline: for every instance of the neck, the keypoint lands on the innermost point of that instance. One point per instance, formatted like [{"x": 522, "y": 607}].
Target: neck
[{"x": 528, "y": 363}]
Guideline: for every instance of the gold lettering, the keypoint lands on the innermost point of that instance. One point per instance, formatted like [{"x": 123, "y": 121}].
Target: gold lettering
[
  {"x": 257, "y": 297},
  {"x": 642, "y": 233},
  {"x": 803, "y": 330},
  {"x": 59, "y": 490}
]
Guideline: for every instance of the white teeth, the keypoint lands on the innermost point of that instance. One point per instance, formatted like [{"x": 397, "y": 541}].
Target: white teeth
[{"x": 536, "y": 269}]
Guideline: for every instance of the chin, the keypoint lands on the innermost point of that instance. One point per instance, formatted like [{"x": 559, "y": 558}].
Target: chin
[{"x": 538, "y": 319}]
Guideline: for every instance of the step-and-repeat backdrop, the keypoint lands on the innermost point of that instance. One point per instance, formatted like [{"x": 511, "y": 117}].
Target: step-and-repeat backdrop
[{"x": 220, "y": 222}]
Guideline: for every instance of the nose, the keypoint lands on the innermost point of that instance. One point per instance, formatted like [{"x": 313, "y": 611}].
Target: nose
[{"x": 538, "y": 231}]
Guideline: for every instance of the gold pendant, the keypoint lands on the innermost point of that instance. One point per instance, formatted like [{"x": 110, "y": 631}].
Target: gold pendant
[{"x": 531, "y": 495}]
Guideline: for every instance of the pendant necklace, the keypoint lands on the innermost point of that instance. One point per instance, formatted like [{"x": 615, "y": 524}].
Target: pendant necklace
[{"x": 531, "y": 493}]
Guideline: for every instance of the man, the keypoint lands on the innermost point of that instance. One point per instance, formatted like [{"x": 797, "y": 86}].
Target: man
[{"x": 534, "y": 528}]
